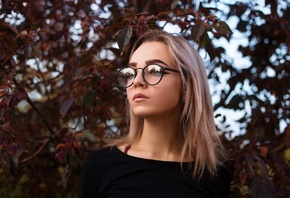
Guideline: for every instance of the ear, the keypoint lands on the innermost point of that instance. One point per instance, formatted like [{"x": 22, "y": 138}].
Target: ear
[
  {"x": 183, "y": 98},
  {"x": 183, "y": 95}
]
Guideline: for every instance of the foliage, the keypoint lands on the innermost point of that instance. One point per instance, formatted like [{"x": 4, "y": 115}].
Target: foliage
[{"x": 59, "y": 97}]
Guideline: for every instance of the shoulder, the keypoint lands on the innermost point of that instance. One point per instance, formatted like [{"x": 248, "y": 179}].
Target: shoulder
[
  {"x": 101, "y": 155},
  {"x": 100, "y": 152},
  {"x": 223, "y": 175},
  {"x": 217, "y": 185},
  {"x": 226, "y": 171},
  {"x": 94, "y": 170},
  {"x": 106, "y": 157},
  {"x": 221, "y": 182},
  {"x": 99, "y": 162}
]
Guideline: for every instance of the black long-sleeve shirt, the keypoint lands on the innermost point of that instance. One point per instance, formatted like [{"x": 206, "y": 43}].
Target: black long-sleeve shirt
[{"x": 111, "y": 173}]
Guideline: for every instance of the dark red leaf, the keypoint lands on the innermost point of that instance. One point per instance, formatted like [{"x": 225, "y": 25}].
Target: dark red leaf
[
  {"x": 222, "y": 28},
  {"x": 124, "y": 37},
  {"x": 197, "y": 30},
  {"x": 66, "y": 106}
]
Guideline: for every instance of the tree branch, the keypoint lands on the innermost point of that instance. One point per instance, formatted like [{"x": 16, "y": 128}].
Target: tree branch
[
  {"x": 21, "y": 89},
  {"x": 37, "y": 152}
]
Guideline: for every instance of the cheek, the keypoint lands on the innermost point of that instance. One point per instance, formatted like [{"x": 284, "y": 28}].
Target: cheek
[
  {"x": 171, "y": 94},
  {"x": 174, "y": 88},
  {"x": 171, "y": 97},
  {"x": 129, "y": 95}
]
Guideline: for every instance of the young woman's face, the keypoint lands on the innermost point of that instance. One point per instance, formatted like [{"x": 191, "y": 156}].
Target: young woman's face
[{"x": 162, "y": 99}]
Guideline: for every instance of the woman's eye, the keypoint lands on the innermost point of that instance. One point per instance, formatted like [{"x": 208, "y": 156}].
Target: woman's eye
[
  {"x": 154, "y": 69},
  {"x": 128, "y": 75}
]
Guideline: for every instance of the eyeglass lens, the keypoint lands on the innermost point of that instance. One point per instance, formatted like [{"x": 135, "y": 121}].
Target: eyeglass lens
[{"x": 151, "y": 74}]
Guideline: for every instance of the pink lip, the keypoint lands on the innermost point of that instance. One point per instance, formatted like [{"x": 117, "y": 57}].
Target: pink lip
[{"x": 139, "y": 96}]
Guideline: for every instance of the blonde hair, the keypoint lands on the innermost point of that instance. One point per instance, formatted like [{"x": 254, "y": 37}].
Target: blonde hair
[{"x": 197, "y": 121}]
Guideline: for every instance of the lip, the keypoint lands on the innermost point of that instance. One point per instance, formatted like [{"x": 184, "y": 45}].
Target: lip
[{"x": 139, "y": 97}]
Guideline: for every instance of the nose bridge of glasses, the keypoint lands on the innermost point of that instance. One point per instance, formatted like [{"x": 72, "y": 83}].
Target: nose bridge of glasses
[
  {"x": 136, "y": 71},
  {"x": 139, "y": 75}
]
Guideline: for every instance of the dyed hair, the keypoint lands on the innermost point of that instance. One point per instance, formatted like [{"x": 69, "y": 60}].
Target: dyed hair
[{"x": 202, "y": 142}]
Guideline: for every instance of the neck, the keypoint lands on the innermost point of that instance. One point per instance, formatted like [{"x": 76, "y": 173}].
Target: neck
[{"x": 161, "y": 139}]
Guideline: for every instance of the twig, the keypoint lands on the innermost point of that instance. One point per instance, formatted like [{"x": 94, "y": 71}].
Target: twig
[{"x": 37, "y": 152}]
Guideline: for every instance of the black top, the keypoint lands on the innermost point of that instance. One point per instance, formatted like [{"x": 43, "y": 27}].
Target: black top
[{"x": 111, "y": 173}]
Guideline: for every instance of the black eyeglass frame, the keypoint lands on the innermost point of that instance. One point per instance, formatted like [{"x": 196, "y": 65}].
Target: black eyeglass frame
[{"x": 163, "y": 71}]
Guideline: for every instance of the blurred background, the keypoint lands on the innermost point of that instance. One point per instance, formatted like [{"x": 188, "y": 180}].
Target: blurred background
[{"x": 59, "y": 99}]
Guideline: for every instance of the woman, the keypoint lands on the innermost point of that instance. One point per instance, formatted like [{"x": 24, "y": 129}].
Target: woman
[{"x": 172, "y": 148}]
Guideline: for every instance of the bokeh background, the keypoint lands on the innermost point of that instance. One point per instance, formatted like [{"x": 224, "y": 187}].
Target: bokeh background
[{"x": 59, "y": 98}]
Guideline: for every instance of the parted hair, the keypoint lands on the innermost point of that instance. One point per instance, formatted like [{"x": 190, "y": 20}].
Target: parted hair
[{"x": 202, "y": 142}]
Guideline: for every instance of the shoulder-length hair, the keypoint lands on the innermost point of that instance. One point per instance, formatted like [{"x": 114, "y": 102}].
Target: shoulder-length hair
[{"x": 202, "y": 142}]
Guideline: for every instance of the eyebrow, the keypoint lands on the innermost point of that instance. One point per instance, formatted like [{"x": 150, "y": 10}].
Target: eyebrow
[{"x": 148, "y": 62}]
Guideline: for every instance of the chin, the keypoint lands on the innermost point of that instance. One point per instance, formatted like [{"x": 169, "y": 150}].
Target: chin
[
  {"x": 147, "y": 114},
  {"x": 142, "y": 114}
]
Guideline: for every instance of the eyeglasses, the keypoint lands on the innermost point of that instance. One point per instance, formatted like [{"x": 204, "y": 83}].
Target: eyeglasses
[{"x": 152, "y": 74}]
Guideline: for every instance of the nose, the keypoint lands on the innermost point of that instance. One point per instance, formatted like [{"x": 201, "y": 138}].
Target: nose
[{"x": 139, "y": 80}]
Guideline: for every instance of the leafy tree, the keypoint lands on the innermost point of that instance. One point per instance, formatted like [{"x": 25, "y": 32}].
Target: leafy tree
[{"x": 59, "y": 98}]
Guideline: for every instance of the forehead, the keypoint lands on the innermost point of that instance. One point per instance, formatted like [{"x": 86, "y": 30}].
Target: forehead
[{"x": 152, "y": 50}]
